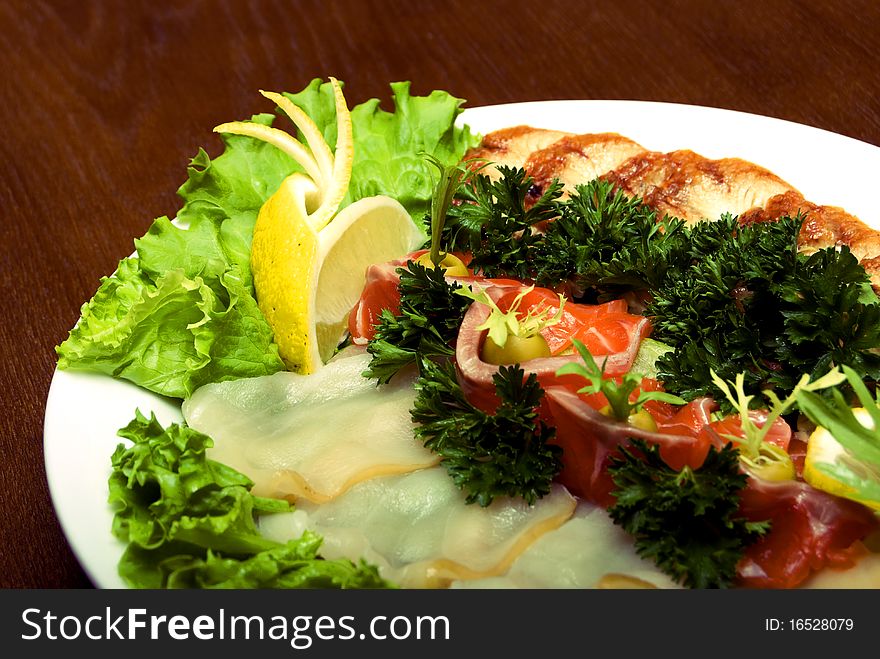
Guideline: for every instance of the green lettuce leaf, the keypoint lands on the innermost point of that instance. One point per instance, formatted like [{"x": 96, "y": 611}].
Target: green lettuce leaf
[
  {"x": 183, "y": 313},
  {"x": 173, "y": 335},
  {"x": 190, "y": 521},
  {"x": 390, "y": 146},
  {"x": 294, "y": 565}
]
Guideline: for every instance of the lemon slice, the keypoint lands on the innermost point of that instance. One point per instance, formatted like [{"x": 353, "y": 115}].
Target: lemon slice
[
  {"x": 308, "y": 260},
  {"x": 823, "y": 448}
]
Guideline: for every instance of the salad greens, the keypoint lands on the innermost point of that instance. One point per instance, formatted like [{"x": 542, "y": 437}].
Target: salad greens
[
  {"x": 685, "y": 521},
  {"x": 189, "y": 521},
  {"x": 390, "y": 146},
  {"x": 724, "y": 297},
  {"x": 427, "y": 322},
  {"x": 171, "y": 334},
  {"x": 487, "y": 455},
  {"x": 183, "y": 314}
]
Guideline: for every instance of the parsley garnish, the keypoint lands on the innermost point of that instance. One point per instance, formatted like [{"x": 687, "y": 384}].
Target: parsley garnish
[
  {"x": 831, "y": 317},
  {"x": 493, "y": 223},
  {"x": 487, "y": 455},
  {"x": 749, "y": 303},
  {"x": 429, "y": 318},
  {"x": 605, "y": 241},
  {"x": 729, "y": 298},
  {"x": 685, "y": 521}
]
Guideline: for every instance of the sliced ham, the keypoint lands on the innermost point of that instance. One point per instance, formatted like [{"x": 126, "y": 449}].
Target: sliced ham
[
  {"x": 810, "y": 530},
  {"x": 380, "y": 292},
  {"x": 589, "y": 439}
]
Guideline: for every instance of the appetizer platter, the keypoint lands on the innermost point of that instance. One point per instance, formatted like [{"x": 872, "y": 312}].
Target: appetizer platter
[{"x": 569, "y": 344}]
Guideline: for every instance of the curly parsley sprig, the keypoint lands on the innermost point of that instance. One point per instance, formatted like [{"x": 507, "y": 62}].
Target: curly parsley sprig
[
  {"x": 429, "y": 317},
  {"x": 686, "y": 521},
  {"x": 487, "y": 455}
]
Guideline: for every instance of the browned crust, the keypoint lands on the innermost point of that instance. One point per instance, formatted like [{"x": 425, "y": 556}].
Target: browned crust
[
  {"x": 512, "y": 146},
  {"x": 576, "y": 159},
  {"x": 683, "y": 184},
  {"x": 824, "y": 226},
  {"x": 687, "y": 185}
]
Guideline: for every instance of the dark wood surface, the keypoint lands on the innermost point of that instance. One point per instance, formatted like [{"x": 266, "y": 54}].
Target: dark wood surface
[{"x": 102, "y": 103}]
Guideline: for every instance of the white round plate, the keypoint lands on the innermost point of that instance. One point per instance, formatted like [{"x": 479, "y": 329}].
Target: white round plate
[{"x": 84, "y": 411}]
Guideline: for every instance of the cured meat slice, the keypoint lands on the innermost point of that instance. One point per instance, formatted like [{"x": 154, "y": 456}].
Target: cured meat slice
[
  {"x": 810, "y": 530},
  {"x": 476, "y": 375},
  {"x": 589, "y": 439},
  {"x": 380, "y": 293}
]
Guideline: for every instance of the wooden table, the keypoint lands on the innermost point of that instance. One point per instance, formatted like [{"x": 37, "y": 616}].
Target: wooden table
[{"x": 102, "y": 103}]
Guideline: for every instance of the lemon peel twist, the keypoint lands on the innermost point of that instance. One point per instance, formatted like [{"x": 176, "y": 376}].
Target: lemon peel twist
[{"x": 308, "y": 258}]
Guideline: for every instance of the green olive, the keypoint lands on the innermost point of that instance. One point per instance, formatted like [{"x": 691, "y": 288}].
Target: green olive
[
  {"x": 643, "y": 420},
  {"x": 776, "y": 470},
  {"x": 516, "y": 350},
  {"x": 453, "y": 265},
  {"x": 773, "y": 463}
]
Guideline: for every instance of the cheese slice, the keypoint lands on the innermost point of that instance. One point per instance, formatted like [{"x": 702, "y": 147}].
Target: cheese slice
[
  {"x": 588, "y": 551},
  {"x": 311, "y": 437},
  {"x": 420, "y": 532}
]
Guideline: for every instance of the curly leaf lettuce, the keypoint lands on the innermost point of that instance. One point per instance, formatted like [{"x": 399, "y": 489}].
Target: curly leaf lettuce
[
  {"x": 390, "y": 146},
  {"x": 171, "y": 335},
  {"x": 183, "y": 313},
  {"x": 189, "y": 521}
]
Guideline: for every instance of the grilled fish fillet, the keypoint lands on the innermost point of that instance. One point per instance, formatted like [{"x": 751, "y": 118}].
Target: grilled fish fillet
[
  {"x": 686, "y": 185},
  {"x": 824, "y": 226},
  {"x": 682, "y": 183},
  {"x": 576, "y": 159},
  {"x": 512, "y": 147}
]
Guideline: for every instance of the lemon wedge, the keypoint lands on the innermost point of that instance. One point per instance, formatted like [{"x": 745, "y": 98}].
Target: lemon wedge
[
  {"x": 823, "y": 448},
  {"x": 308, "y": 258}
]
